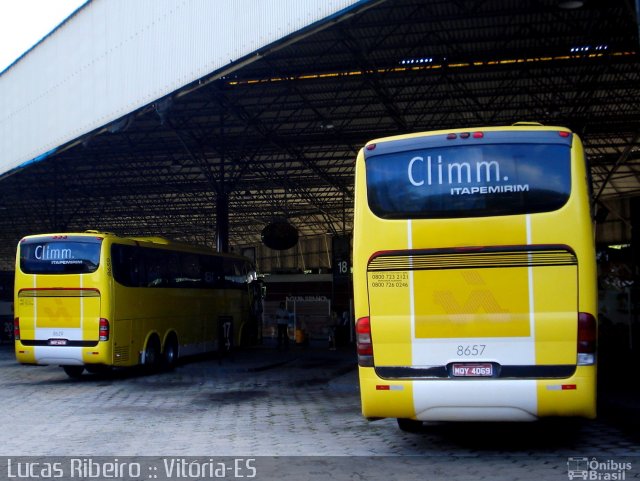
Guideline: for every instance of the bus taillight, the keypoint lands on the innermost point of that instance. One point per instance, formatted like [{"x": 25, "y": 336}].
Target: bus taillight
[
  {"x": 465, "y": 135},
  {"x": 16, "y": 329},
  {"x": 104, "y": 329},
  {"x": 364, "y": 344},
  {"x": 587, "y": 339}
]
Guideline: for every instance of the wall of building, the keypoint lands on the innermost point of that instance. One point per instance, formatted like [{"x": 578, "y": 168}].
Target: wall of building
[{"x": 113, "y": 57}]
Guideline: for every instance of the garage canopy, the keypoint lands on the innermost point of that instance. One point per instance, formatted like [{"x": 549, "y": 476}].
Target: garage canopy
[{"x": 275, "y": 129}]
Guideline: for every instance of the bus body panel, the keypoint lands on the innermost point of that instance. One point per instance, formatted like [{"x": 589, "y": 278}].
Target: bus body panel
[
  {"x": 124, "y": 353},
  {"x": 575, "y": 397},
  {"x": 385, "y": 398},
  {"x": 489, "y": 307},
  {"x": 58, "y": 318},
  {"x": 502, "y": 290},
  {"x": 190, "y": 313}
]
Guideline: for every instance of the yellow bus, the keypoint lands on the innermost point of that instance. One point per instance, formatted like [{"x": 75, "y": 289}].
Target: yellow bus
[
  {"x": 94, "y": 300},
  {"x": 474, "y": 276}
]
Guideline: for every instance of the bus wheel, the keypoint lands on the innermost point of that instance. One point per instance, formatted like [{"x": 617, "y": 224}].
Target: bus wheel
[
  {"x": 409, "y": 425},
  {"x": 170, "y": 357},
  {"x": 73, "y": 372},
  {"x": 152, "y": 354}
]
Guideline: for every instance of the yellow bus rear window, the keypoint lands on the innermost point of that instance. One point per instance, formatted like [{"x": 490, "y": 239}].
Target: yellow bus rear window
[
  {"x": 469, "y": 180},
  {"x": 60, "y": 256}
]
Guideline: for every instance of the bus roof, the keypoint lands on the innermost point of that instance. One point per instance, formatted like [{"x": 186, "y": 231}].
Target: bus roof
[{"x": 518, "y": 126}]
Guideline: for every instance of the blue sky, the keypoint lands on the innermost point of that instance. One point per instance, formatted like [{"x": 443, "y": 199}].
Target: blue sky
[{"x": 24, "y": 22}]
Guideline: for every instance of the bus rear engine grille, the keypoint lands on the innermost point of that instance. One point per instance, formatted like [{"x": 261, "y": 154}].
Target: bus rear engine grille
[{"x": 459, "y": 259}]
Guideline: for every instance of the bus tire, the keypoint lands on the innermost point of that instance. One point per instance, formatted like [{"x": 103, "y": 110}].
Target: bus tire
[
  {"x": 409, "y": 425},
  {"x": 170, "y": 354},
  {"x": 74, "y": 372},
  {"x": 152, "y": 356}
]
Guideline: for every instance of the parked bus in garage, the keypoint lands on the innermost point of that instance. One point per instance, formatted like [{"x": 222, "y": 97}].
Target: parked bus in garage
[
  {"x": 93, "y": 300},
  {"x": 475, "y": 276}
]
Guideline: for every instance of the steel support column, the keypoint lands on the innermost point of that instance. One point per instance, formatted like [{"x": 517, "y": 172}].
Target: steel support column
[{"x": 222, "y": 222}]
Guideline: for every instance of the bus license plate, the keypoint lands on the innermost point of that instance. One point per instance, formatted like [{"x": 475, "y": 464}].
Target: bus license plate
[
  {"x": 472, "y": 370},
  {"x": 57, "y": 342}
]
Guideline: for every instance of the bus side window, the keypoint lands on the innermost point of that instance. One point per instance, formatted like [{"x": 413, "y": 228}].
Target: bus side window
[
  {"x": 191, "y": 273},
  {"x": 212, "y": 271},
  {"x": 156, "y": 272},
  {"x": 173, "y": 268},
  {"x": 125, "y": 265},
  {"x": 233, "y": 274}
]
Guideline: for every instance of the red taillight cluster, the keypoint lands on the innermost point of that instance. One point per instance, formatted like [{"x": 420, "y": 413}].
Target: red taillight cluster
[
  {"x": 363, "y": 341},
  {"x": 465, "y": 135},
  {"x": 104, "y": 329},
  {"x": 16, "y": 329},
  {"x": 587, "y": 338}
]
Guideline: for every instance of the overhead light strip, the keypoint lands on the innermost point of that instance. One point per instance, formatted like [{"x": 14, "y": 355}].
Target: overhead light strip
[{"x": 432, "y": 66}]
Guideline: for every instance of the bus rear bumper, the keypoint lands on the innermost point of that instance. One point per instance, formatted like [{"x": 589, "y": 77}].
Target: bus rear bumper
[
  {"x": 473, "y": 400},
  {"x": 60, "y": 355},
  {"x": 478, "y": 399}
]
